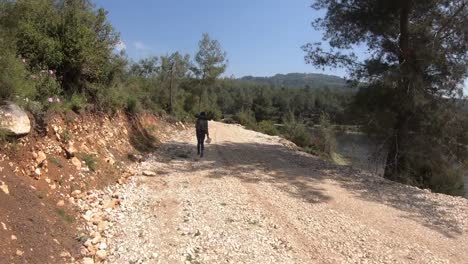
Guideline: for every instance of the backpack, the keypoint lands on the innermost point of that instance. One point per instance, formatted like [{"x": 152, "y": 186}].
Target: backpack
[{"x": 201, "y": 126}]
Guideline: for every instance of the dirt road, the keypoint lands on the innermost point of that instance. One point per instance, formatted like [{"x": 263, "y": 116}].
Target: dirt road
[{"x": 252, "y": 199}]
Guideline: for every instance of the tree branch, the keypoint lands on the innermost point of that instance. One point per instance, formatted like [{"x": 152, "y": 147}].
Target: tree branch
[{"x": 448, "y": 21}]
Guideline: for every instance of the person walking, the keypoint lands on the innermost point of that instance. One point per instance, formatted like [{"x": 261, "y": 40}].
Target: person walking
[{"x": 201, "y": 128}]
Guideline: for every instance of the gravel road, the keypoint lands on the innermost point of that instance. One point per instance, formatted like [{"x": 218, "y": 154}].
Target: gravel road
[{"x": 253, "y": 198}]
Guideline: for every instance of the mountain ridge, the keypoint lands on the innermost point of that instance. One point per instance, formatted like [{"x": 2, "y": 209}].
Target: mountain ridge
[{"x": 298, "y": 80}]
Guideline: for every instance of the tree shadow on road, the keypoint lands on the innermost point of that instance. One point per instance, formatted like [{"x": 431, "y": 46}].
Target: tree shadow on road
[{"x": 299, "y": 174}]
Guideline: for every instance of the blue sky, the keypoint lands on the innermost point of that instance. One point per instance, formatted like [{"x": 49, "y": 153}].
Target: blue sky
[{"x": 261, "y": 37}]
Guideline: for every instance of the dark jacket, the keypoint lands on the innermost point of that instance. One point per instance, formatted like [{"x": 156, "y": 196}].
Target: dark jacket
[{"x": 201, "y": 126}]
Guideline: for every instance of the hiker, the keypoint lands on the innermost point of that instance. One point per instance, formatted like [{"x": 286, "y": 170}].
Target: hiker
[{"x": 201, "y": 128}]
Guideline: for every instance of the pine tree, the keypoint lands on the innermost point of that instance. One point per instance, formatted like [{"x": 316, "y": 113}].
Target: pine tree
[
  {"x": 211, "y": 63},
  {"x": 415, "y": 70}
]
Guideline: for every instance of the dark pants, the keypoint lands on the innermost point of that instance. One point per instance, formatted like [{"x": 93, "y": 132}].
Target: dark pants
[{"x": 200, "y": 143}]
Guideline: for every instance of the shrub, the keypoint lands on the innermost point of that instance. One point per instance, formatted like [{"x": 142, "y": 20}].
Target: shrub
[
  {"x": 36, "y": 108},
  {"x": 298, "y": 133},
  {"x": 47, "y": 87},
  {"x": 133, "y": 105},
  {"x": 325, "y": 140},
  {"x": 267, "y": 127},
  {"x": 66, "y": 135},
  {"x": 90, "y": 161},
  {"x": 214, "y": 114},
  {"x": 14, "y": 78},
  {"x": 246, "y": 118},
  {"x": 111, "y": 99},
  {"x": 56, "y": 162},
  {"x": 76, "y": 102},
  {"x": 448, "y": 181},
  {"x": 427, "y": 168},
  {"x": 183, "y": 116},
  {"x": 229, "y": 120}
]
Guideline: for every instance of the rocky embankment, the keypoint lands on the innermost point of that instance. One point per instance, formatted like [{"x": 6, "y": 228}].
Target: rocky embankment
[{"x": 46, "y": 176}]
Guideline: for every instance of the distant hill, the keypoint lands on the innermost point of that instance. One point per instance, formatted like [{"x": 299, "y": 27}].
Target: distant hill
[{"x": 299, "y": 80}]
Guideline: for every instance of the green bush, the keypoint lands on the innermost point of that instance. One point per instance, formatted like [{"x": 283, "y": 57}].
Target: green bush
[
  {"x": 76, "y": 102},
  {"x": 267, "y": 127},
  {"x": 229, "y": 120},
  {"x": 181, "y": 115},
  {"x": 66, "y": 136},
  {"x": 14, "y": 78},
  {"x": 214, "y": 114},
  {"x": 247, "y": 119},
  {"x": 111, "y": 100},
  {"x": 47, "y": 86},
  {"x": 298, "y": 133},
  {"x": 428, "y": 169},
  {"x": 448, "y": 181},
  {"x": 90, "y": 161},
  {"x": 324, "y": 139},
  {"x": 36, "y": 108},
  {"x": 133, "y": 105},
  {"x": 56, "y": 162}
]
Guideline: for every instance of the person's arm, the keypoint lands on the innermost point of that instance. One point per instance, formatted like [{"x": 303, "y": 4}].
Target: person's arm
[{"x": 207, "y": 131}]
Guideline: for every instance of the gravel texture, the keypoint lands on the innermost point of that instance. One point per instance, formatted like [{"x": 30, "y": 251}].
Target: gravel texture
[{"x": 256, "y": 199}]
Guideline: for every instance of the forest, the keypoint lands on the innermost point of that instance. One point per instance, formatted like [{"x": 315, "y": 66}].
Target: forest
[{"x": 60, "y": 55}]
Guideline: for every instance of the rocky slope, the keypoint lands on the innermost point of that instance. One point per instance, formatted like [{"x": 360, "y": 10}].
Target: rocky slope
[{"x": 44, "y": 178}]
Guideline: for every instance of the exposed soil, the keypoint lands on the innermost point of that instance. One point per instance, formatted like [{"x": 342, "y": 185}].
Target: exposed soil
[
  {"x": 39, "y": 222},
  {"x": 33, "y": 229}
]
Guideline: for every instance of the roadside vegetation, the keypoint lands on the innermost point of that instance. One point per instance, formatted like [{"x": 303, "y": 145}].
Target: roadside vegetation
[{"x": 410, "y": 82}]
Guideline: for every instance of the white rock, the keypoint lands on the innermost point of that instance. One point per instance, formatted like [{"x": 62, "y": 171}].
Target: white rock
[
  {"x": 76, "y": 162},
  {"x": 101, "y": 255},
  {"x": 4, "y": 188},
  {"x": 149, "y": 173},
  {"x": 88, "y": 243},
  {"x": 14, "y": 120},
  {"x": 88, "y": 261},
  {"x": 96, "y": 240},
  {"x": 76, "y": 193},
  {"x": 102, "y": 246},
  {"x": 41, "y": 157}
]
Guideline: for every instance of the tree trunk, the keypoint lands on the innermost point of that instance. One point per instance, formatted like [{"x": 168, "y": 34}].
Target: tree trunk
[
  {"x": 396, "y": 158},
  {"x": 395, "y": 161},
  {"x": 171, "y": 92}
]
